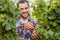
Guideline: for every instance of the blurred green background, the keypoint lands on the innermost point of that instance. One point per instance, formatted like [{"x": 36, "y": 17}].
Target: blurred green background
[{"x": 46, "y": 12}]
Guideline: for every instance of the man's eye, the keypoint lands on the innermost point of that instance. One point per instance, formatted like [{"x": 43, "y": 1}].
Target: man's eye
[
  {"x": 26, "y": 8},
  {"x": 21, "y": 8}
]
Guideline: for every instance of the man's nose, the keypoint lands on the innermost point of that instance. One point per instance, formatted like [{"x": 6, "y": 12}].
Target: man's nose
[{"x": 24, "y": 10}]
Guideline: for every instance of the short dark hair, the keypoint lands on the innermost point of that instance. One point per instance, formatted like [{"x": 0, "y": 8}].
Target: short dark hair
[{"x": 22, "y": 1}]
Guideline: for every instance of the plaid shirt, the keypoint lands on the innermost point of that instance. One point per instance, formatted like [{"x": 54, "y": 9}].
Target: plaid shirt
[{"x": 22, "y": 32}]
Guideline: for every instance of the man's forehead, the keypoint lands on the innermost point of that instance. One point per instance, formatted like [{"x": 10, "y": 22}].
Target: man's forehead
[{"x": 22, "y": 5}]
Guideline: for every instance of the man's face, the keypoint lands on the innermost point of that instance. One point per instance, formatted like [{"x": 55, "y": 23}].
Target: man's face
[{"x": 24, "y": 9}]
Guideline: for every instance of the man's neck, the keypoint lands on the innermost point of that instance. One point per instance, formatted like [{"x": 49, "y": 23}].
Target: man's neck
[{"x": 24, "y": 18}]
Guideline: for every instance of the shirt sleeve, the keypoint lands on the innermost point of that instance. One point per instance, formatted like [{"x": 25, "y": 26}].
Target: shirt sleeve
[{"x": 18, "y": 25}]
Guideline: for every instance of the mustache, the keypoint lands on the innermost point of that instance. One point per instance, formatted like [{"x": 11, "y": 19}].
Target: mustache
[{"x": 25, "y": 12}]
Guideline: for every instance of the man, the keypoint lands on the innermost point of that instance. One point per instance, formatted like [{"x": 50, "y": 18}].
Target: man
[{"x": 25, "y": 24}]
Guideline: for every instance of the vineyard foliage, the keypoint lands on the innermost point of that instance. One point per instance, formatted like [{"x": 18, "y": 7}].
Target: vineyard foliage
[{"x": 47, "y": 15}]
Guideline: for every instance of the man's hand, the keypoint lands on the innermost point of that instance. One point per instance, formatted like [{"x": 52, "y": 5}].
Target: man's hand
[
  {"x": 35, "y": 35},
  {"x": 29, "y": 26}
]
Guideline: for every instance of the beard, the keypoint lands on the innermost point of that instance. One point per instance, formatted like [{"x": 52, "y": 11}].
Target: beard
[{"x": 23, "y": 16}]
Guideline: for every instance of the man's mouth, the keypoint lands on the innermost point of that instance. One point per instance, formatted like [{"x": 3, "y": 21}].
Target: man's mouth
[{"x": 24, "y": 12}]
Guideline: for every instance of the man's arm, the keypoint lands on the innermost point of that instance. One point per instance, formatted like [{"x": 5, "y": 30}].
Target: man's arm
[
  {"x": 18, "y": 26},
  {"x": 35, "y": 34},
  {"x": 18, "y": 29}
]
